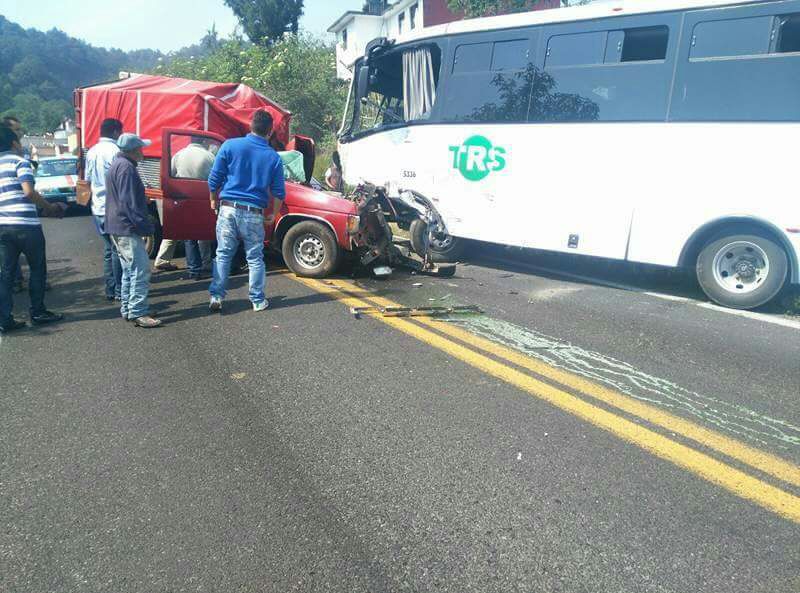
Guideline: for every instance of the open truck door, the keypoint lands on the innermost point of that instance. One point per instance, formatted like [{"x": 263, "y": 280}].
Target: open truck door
[{"x": 187, "y": 158}]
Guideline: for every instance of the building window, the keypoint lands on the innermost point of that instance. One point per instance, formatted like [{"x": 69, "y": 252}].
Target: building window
[
  {"x": 344, "y": 38},
  {"x": 412, "y": 16},
  {"x": 401, "y": 19}
]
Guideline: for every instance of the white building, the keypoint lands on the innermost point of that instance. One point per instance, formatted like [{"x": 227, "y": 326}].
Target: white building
[
  {"x": 380, "y": 18},
  {"x": 354, "y": 29}
]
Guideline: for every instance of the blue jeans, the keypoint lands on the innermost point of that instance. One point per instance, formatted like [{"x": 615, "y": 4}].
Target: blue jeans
[
  {"x": 198, "y": 255},
  {"x": 112, "y": 268},
  {"x": 235, "y": 225},
  {"x": 135, "y": 276}
]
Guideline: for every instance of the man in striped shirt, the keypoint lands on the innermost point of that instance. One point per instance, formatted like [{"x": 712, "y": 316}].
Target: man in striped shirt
[{"x": 21, "y": 232}]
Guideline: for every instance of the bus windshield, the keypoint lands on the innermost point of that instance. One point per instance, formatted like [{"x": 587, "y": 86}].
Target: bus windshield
[{"x": 402, "y": 89}]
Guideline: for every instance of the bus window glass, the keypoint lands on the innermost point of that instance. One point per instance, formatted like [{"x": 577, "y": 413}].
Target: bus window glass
[
  {"x": 579, "y": 49},
  {"x": 473, "y": 57},
  {"x": 510, "y": 55},
  {"x": 789, "y": 37},
  {"x": 731, "y": 38},
  {"x": 645, "y": 44},
  {"x": 489, "y": 83}
]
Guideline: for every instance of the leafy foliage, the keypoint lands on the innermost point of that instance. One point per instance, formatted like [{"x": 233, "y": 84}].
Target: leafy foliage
[
  {"x": 267, "y": 21},
  {"x": 298, "y": 72},
  {"x": 38, "y": 72}
]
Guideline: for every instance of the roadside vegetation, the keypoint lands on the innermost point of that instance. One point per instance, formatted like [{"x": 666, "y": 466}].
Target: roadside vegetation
[{"x": 298, "y": 72}]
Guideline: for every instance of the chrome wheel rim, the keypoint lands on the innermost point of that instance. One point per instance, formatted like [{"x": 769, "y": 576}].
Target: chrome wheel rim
[
  {"x": 309, "y": 251},
  {"x": 741, "y": 267},
  {"x": 438, "y": 240}
]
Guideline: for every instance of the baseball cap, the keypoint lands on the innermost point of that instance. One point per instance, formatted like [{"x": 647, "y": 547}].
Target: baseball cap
[{"x": 128, "y": 142}]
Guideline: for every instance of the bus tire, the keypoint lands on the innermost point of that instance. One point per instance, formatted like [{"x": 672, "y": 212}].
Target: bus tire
[
  {"x": 310, "y": 250},
  {"x": 445, "y": 250},
  {"x": 742, "y": 271}
]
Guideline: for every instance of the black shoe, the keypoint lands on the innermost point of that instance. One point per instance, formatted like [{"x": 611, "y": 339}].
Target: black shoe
[
  {"x": 110, "y": 299},
  {"x": 198, "y": 276},
  {"x": 46, "y": 317},
  {"x": 10, "y": 326}
]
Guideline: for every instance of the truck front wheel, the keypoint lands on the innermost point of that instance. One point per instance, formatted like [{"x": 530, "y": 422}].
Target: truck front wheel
[
  {"x": 310, "y": 250},
  {"x": 742, "y": 271}
]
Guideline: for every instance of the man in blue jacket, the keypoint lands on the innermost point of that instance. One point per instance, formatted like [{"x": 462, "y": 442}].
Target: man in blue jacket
[
  {"x": 127, "y": 221},
  {"x": 247, "y": 176}
]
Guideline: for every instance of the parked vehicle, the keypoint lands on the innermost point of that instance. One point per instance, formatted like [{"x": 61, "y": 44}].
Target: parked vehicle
[
  {"x": 312, "y": 229},
  {"x": 56, "y": 178},
  {"x": 655, "y": 132}
]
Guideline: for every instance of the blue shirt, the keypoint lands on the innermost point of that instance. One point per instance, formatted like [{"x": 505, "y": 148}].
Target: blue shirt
[
  {"x": 15, "y": 208},
  {"x": 248, "y": 170}
]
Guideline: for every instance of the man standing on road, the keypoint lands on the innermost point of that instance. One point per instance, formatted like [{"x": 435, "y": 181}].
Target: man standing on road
[
  {"x": 21, "y": 233},
  {"x": 127, "y": 221},
  {"x": 98, "y": 161},
  {"x": 195, "y": 162},
  {"x": 246, "y": 174}
]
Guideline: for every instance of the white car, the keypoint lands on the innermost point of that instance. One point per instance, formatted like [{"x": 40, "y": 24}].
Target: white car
[{"x": 56, "y": 178}]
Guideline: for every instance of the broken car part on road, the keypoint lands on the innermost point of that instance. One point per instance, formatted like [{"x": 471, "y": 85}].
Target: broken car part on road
[{"x": 374, "y": 235}]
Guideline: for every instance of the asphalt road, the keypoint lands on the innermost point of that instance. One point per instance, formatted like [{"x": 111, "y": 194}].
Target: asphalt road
[{"x": 637, "y": 444}]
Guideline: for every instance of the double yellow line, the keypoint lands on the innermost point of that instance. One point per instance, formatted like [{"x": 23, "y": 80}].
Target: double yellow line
[{"x": 476, "y": 351}]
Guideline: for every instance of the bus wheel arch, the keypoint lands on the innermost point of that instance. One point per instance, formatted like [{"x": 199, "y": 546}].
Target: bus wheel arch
[{"x": 740, "y": 263}]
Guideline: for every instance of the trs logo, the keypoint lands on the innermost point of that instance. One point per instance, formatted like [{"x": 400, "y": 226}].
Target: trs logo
[{"x": 476, "y": 158}]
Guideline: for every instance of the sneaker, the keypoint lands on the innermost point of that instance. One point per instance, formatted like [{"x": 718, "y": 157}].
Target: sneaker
[
  {"x": 147, "y": 322},
  {"x": 166, "y": 267},
  {"x": 11, "y": 325},
  {"x": 262, "y": 306},
  {"x": 215, "y": 304},
  {"x": 46, "y": 317}
]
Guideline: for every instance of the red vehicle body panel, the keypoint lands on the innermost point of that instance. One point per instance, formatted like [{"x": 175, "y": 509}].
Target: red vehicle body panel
[{"x": 157, "y": 107}]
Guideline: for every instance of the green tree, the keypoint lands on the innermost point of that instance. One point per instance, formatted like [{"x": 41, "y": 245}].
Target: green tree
[{"x": 267, "y": 21}]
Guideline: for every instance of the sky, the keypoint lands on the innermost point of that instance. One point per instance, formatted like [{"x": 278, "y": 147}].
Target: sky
[{"x": 165, "y": 25}]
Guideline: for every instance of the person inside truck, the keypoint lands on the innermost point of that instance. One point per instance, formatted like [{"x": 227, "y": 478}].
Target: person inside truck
[
  {"x": 247, "y": 176},
  {"x": 195, "y": 162}
]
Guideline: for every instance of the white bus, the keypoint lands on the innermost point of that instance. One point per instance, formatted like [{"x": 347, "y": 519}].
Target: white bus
[{"x": 663, "y": 132}]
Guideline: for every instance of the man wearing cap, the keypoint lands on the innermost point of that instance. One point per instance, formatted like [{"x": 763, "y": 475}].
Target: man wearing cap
[{"x": 127, "y": 221}]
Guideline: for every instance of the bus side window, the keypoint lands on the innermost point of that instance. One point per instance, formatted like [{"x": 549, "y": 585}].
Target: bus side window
[
  {"x": 739, "y": 69},
  {"x": 730, "y": 38},
  {"x": 579, "y": 49},
  {"x": 789, "y": 34}
]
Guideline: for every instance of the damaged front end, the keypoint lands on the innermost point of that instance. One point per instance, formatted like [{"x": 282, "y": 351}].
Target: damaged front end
[{"x": 378, "y": 247}]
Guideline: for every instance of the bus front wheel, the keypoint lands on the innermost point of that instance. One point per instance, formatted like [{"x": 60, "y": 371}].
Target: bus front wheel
[
  {"x": 742, "y": 271},
  {"x": 443, "y": 248}
]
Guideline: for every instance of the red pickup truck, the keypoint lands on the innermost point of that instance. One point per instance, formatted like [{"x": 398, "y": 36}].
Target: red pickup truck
[{"x": 314, "y": 228}]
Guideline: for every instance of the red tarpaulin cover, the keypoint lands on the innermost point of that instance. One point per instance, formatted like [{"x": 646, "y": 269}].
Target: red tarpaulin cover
[{"x": 147, "y": 104}]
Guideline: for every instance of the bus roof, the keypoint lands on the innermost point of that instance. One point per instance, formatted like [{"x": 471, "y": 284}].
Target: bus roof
[{"x": 595, "y": 10}]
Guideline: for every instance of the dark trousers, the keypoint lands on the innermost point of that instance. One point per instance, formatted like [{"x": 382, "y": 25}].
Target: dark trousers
[
  {"x": 112, "y": 268},
  {"x": 16, "y": 240}
]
